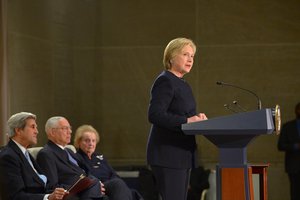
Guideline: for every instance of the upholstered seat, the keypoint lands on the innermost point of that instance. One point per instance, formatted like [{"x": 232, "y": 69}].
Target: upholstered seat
[{"x": 35, "y": 150}]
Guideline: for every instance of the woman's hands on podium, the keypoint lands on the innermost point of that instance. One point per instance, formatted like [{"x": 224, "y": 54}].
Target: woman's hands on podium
[{"x": 196, "y": 118}]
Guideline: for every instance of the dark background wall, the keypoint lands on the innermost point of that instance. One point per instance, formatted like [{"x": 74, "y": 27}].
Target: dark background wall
[{"x": 94, "y": 62}]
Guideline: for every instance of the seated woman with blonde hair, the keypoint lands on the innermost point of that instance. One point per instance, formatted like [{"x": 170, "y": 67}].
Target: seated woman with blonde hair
[{"x": 86, "y": 140}]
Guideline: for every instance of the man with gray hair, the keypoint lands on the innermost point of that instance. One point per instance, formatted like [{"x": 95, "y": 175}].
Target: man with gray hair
[
  {"x": 60, "y": 164},
  {"x": 21, "y": 176}
]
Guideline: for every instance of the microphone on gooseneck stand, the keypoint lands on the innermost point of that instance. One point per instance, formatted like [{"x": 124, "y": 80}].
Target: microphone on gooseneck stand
[
  {"x": 239, "y": 106},
  {"x": 228, "y": 107},
  {"x": 235, "y": 86}
]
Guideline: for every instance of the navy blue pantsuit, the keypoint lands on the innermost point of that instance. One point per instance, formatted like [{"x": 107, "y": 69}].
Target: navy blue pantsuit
[{"x": 170, "y": 152}]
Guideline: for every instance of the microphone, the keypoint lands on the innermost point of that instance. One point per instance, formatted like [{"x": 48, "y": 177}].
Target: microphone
[
  {"x": 239, "y": 106},
  {"x": 235, "y": 86},
  {"x": 229, "y": 108}
]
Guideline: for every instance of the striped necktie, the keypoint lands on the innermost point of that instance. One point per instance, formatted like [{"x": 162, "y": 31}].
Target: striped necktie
[
  {"x": 43, "y": 177},
  {"x": 71, "y": 159}
]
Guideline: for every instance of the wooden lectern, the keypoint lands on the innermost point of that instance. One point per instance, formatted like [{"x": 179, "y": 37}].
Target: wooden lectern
[{"x": 231, "y": 134}]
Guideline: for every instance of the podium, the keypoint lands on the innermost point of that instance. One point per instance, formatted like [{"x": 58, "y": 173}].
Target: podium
[{"x": 231, "y": 134}]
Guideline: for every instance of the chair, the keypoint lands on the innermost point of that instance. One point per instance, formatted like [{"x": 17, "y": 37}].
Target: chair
[
  {"x": 210, "y": 193},
  {"x": 204, "y": 194},
  {"x": 35, "y": 150}
]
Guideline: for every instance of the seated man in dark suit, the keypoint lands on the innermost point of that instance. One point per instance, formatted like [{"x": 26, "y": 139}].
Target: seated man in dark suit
[
  {"x": 20, "y": 176},
  {"x": 59, "y": 164}
]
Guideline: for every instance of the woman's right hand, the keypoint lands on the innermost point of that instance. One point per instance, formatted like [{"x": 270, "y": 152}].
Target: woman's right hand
[{"x": 196, "y": 118}]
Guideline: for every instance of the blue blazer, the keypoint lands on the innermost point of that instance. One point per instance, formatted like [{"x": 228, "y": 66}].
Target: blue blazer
[
  {"x": 171, "y": 103},
  {"x": 97, "y": 166},
  {"x": 18, "y": 180}
]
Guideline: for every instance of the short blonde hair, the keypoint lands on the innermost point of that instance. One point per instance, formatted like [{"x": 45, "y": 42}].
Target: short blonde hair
[
  {"x": 173, "y": 48},
  {"x": 81, "y": 130}
]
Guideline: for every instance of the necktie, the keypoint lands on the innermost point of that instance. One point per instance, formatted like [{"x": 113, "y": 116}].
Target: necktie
[
  {"x": 43, "y": 177},
  {"x": 71, "y": 159}
]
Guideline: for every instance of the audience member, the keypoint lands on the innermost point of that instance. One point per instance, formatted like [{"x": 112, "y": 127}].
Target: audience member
[
  {"x": 289, "y": 141},
  {"x": 86, "y": 139},
  {"x": 21, "y": 177},
  {"x": 60, "y": 164}
]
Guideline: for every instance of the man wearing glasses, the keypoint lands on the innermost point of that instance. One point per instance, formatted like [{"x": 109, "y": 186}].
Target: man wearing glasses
[{"x": 60, "y": 164}]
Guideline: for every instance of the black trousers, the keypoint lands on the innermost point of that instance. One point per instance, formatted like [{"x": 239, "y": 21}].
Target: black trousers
[
  {"x": 93, "y": 192},
  {"x": 172, "y": 183},
  {"x": 294, "y": 185},
  {"x": 116, "y": 189}
]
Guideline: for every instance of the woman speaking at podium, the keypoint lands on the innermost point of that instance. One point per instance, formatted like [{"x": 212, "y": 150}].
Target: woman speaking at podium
[{"x": 171, "y": 153}]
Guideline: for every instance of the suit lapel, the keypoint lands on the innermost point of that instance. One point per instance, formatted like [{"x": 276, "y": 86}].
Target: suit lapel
[
  {"x": 63, "y": 157},
  {"x": 60, "y": 153},
  {"x": 25, "y": 162}
]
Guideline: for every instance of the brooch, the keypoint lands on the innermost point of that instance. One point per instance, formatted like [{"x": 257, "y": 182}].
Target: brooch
[{"x": 100, "y": 157}]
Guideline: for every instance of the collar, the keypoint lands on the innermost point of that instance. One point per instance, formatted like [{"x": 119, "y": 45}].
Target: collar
[
  {"x": 60, "y": 146},
  {"x": 23, "y": 149}
]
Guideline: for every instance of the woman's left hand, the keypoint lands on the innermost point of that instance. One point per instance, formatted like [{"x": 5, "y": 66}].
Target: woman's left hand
[{"x": 202, "y": 116}]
